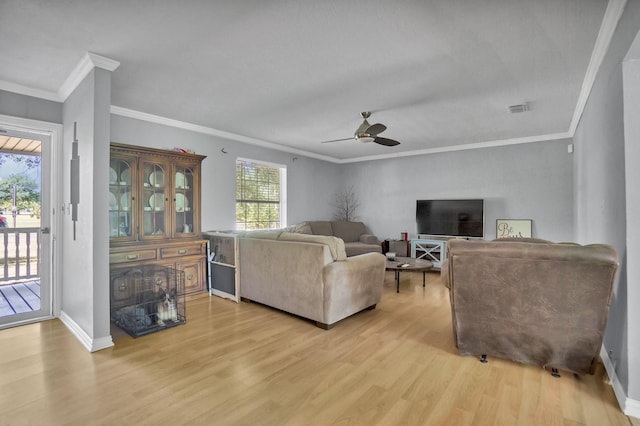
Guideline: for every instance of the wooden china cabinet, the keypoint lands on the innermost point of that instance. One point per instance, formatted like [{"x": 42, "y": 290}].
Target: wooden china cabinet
[{"x": 154, "y": 213}]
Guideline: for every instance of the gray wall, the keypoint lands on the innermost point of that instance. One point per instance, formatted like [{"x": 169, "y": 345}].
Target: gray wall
[
  {"x": 100, "y": 182},
  {"x": 632, "y": 179},
  {"x": 310, "y": 182},
  {"x": 528, "y": 181},
  {"x": 601, "y": 193},
  {"x": 539, "y": 186},
  {"x": 85, "y": 258},
  {"x": 32, "y": 108}
]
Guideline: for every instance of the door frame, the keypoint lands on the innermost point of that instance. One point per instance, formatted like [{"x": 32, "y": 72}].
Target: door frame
[{"x": 54, "y": 187}]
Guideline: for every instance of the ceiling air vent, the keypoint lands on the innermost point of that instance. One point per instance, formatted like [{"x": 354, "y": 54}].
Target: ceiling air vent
[{"x": 519, "y": 108}]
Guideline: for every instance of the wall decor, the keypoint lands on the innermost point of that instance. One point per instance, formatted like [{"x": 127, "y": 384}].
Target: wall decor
[
  {"x": 513, "y": 228},
  {"x": 74, "y": 179}
]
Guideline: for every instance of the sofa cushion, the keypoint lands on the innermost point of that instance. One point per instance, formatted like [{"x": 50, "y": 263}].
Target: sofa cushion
[
  {"x": 336, "y": 245},
  {"x": 348, "y": 231},
  {"x": 269, "y": 235},
  {"x": 300, "y": 228},
  {"x": 368, "y": 239},
  {"x": 354, "y": 249},
  {"x": 321, "y": 228}
]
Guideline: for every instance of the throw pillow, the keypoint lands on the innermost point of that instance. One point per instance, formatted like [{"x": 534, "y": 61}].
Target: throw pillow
[{"x": 302, "y": 228}]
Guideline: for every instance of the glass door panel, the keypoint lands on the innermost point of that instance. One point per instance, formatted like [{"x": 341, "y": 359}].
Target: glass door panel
[
  {"x": 26, "y": 229},
  {"x": 154, "y": 200},
  {"x": 184, "y": 179},
  {"x": 121, "y": 198}
]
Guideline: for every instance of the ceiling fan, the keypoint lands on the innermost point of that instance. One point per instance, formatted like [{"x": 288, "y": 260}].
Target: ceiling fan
[{"x": 369, "y": 133}]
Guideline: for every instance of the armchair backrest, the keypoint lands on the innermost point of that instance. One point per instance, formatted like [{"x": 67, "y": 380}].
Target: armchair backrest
[{"x": 531, "y": 301}]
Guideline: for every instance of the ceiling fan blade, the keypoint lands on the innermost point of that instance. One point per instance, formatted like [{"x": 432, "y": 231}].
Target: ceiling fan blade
[
  {"x": 375, "y": 129},
  {"x": 386, "y": 142},
  {"x": 337, "y": 140},
  {"x": 363, "y": 127}
]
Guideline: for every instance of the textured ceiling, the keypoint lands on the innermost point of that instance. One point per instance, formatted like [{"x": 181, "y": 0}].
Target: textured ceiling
[{"x": 438, "y": 74}]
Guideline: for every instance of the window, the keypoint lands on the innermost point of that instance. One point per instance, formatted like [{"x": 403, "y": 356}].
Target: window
[{"x": 260, "y": 195}]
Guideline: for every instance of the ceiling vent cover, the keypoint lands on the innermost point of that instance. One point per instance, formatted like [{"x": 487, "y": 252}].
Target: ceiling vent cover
[{"x": 519, "y": 108}]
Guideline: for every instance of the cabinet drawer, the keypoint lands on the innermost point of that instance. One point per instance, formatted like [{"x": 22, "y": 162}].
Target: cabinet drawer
[
  {"x": 194, "y": 279},
  {"x": 132, "y": 256},
  {"x": 191, "y": 250}
]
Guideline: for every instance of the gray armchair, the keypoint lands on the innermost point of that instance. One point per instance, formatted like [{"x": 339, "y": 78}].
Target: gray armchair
[{"x": 530, "y": 301}]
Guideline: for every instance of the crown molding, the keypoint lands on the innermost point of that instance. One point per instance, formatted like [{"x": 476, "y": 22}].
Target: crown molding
[
  {"x": 88, "y": 62},
  {"x": 138, "y": 115},
  {"x": 612, "y": 16},
  {"x": 28, "y": 91},
  {"x": 129, "y": 113},
  {"x": 103, "y": 62},
  {"x": 464, "y": 147}
]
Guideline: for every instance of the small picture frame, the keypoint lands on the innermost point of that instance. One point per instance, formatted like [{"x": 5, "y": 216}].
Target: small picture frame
[{"x": 513, "y": 228}]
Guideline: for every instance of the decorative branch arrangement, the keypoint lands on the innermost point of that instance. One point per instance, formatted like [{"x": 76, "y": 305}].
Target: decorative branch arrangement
[{"x": 345, "y": 205}]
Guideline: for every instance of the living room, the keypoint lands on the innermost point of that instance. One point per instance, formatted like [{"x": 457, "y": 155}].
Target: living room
[{"x": 576, "y": 186}]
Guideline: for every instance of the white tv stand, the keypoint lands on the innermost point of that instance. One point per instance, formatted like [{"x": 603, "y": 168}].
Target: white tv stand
[{"x": 429, "y": 249}]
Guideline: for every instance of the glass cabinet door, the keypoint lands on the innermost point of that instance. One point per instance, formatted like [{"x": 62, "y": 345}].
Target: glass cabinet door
[
  {"x": 121, "y": 219},
  {"x": 184, "y": 181},
  {"x": 154, "y": 200}
]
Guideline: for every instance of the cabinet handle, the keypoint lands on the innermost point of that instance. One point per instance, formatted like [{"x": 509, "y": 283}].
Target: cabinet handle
[
  {"x": 132, "y": 256},
  {"x": 190, "y": 277},
  {"x": 182, "y": 251}
]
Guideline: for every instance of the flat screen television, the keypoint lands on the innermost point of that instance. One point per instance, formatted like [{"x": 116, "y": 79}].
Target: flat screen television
[{"x": 450, "y": 218}]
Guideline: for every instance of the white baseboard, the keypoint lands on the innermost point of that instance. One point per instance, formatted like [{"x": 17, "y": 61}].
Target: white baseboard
[
  {"x": 630, "y": 407},
  {"x": 90, "y": 344}
]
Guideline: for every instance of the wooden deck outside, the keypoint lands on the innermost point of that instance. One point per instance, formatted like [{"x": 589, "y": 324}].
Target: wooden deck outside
[
  {"x": 19, "y": 270},
  {"x": 19, "y": 298}
]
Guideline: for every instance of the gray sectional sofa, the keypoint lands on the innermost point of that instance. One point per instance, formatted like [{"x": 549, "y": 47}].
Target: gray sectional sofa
[{"x": 309, "y": 275}]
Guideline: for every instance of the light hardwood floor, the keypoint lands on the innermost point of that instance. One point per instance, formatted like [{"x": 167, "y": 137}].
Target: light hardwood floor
[{"x": 247, "y": 364}]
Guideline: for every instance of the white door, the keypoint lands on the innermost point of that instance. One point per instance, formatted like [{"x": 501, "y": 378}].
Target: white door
[{"x": 26, "y": 240}]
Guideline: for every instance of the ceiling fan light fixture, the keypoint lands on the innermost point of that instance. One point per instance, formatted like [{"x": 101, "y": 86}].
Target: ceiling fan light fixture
[
  {"x": 367, "y": 133},
  {"x": 364, "y": 137}
]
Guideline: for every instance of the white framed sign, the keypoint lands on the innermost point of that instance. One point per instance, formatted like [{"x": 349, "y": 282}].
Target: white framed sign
[{"x": 513, "y": 228}]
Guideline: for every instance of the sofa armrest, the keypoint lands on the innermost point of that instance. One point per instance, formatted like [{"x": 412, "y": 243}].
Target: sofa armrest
[
  {"x": 368, "y": 239},
  {"x": 444, "y": 274},
  {"x": 352, "y": 285},
  {"x": 286, "y": 275}
]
